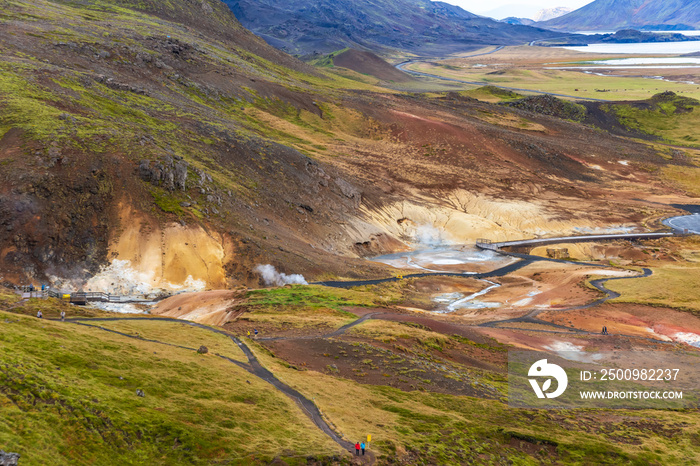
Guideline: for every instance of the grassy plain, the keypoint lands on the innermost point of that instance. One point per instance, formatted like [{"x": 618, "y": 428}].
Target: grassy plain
[
  {"x": 672, "y": 284},
  {"x": 572, "y": 83},
  {"x": 534, "y": 68},
  {"x": 300, "y": 307}
]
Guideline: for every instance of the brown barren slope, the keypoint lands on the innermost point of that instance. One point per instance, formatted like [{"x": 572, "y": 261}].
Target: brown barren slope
[{"x": 369, "y": 63}]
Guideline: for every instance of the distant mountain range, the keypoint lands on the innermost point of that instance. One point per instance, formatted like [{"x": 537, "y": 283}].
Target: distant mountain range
[
  {"x": 613, "y": 15},
  {"x": 542, "y": 15},
  {"x": 551, "y": 13},
  {"x": 419, "y": 26}
]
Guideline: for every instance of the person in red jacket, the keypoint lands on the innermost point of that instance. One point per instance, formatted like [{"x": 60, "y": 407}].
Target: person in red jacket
[{"x": 357, "y": 449}]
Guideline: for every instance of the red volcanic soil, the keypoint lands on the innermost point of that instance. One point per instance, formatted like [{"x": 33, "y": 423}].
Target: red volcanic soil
[{"x": 630, "y": 319}]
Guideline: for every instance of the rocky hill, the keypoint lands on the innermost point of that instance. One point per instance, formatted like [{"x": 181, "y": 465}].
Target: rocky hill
[
  {"x": 607, "y": 15},
  {"x": 419, "y": 26},
  {"x": 167, "y": 142}
]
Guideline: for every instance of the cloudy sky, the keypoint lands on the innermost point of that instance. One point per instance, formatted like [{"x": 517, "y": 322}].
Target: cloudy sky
[{"x": 521, "y": 8}]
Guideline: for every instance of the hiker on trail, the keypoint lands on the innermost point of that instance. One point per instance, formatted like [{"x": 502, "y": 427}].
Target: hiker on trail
[
  {"x": 63, "y": 316},
  {"x": 256, "y": 331},
  {"x": 357, "y": 449},
  {"x": 362, "y": 445},
  {"x": 248, "y": 333},
  {"x": 39, "y": 315}
]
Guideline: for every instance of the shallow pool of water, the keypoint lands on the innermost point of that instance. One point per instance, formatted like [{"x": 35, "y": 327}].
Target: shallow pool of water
[
  {"x": 459, "y": 259},
  {"x": 685, "y": 222}
]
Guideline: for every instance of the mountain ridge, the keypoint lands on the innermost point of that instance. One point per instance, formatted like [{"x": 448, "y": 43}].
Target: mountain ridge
[
  {"x": 607, "y": 15},
  {"x": 416, "y": 26}
]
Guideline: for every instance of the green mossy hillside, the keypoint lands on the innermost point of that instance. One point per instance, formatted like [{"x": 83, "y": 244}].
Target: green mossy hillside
[{"x": 68, "y": 396}]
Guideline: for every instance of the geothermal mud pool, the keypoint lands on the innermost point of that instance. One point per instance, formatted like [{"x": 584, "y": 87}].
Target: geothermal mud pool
[
  {"x": 467, "y": 260},
  {"x": 454, "y": 259},
  {"x": 685, "y": 222}
]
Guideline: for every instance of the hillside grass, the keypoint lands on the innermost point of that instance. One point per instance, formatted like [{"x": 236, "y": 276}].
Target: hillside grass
[
  {"x": 51, "y": 308},
  {"x": 676, "y": 119},
  {"x": 452, "y": 430},
  {"x": 73, "y": 108},
  {"x": 388, "y": 332},
  {"x": 492, "y": 94},
  {"x": 300, "y": 306},
  {"x": 311, "y": 296},
  {"x": 326, "y": 61},
  {"x": 672, "y": 285},
  {"x": 177, "y": 333},
  {"x": 8, "y": 297},
  {"x": 687, "y": 178},
  {"x": 67, "y": 395}
]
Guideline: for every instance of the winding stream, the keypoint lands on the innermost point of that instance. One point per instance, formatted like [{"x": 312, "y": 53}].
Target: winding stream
[{"x": 463, "y": 302}]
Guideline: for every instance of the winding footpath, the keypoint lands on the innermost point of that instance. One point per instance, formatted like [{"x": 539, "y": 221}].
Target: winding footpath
[
  {"x": 523, "y": 259},
  {"x": 253, "y": 366},
  {"x": 503, "y": 271},
  {"x": 531, "y": 317}
]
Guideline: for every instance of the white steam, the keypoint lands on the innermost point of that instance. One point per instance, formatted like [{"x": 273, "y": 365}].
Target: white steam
[
  {"x": 272, "y": 277},
  {"x": 121, "y": 279},
  {"x": 428, "y": 235}
]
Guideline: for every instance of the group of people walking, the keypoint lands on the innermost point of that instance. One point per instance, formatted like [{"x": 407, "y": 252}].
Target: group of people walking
[
  {"x": 40, "y": 315},
  {"x": 359, "y": 446}
]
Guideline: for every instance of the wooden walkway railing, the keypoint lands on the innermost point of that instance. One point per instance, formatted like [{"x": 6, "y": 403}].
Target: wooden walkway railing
[
  {"x": 532, "y": 243},
  {"x": 80, "y": 297}
]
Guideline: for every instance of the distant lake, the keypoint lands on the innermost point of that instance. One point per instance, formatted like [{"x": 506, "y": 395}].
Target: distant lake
[
  {"x": 645, "y": 48},
  {"x": 685, "y": 33},
  {"x": 648, "y": 61}
]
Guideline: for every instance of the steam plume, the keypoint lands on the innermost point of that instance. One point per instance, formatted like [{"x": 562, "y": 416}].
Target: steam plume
[
  {"x": 272, "y": 277},
  {"x": 428, "y": 235}
]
